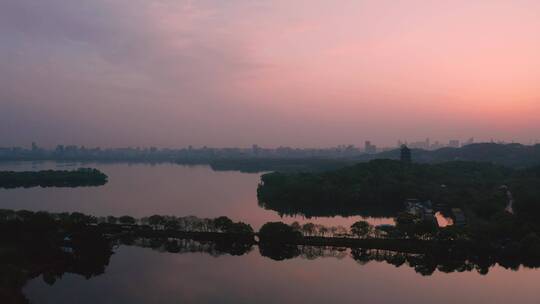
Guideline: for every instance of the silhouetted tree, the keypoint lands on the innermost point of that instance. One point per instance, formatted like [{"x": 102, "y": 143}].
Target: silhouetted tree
[
  {"x": 361, "y": 229},
  {"x": 278, "y": 231},
  {"x": 126, "y": 219}
]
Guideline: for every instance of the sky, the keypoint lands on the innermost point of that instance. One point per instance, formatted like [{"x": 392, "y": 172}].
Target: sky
[{"x": 304, "y": 73}]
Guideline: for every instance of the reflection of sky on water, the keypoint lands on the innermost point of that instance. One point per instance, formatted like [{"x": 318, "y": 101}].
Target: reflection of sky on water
[{"x": 137, "y": 275}]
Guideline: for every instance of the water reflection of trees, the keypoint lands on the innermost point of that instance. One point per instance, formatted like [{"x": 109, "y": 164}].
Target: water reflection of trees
[
  {"x": 23, "y": 261},
  {"x": 274, "y": 251},
  {"x": 34, "y": 244},
  {"x": 91, "y": 259},
  {"x": 445, "y": 260},
  {"x": 314, "y": 252},
  {"x": 182, "y": 246},
  {"x": 423, "y": 263}
]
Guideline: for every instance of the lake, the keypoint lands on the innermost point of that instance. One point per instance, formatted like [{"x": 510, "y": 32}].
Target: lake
[
  {"x": 137, "y": 275},
  {"x": 145, "y": 189},
  {"x": 142, "y": 275}
]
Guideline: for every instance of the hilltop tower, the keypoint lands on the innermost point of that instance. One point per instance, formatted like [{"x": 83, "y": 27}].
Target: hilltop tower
[{"x": 406, "y": 156}]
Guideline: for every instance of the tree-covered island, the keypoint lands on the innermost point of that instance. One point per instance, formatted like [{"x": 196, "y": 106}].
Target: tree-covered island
[{"x": 52, "y": 178}]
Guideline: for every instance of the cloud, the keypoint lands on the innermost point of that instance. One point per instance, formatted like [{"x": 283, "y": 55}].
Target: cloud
[
  {"x": 179, "y": 72},
  {"x": 156, "y": 60}
]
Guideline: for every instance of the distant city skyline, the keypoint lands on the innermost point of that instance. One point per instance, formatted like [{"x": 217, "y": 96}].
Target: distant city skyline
[{"x": 367, "y": 146}]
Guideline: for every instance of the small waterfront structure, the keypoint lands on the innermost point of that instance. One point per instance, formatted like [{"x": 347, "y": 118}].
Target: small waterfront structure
[
  {"x": 67, "y": 245},
  {"x": 428, "y": 207},
  {"x": 422, "y": 210},
  {"x": 158, "y": 227},
  {"x": 414, "y": 207},
  {"x": 128, "y": 227}
]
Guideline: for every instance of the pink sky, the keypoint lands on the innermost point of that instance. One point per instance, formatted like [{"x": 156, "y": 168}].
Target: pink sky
[{"x": 301, "y": 73}]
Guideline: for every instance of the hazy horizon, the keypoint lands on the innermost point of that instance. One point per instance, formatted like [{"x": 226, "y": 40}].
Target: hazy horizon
[
  {"x": 360, "y": 146},
  {"x": 294, "y": 73}
]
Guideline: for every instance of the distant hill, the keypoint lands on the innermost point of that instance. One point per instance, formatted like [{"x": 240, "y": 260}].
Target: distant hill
[
  {"x": 253, "y": 165},
  {"x": 511, "y": 155}
]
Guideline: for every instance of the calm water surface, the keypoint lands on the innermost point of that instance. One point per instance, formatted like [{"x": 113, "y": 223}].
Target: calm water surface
[
  {"x": 143, "y": 190},
  {"x": 142, "y": 275}
]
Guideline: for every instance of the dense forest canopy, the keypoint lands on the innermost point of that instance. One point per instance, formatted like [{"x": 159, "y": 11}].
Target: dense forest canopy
[{"x": 379, "y": 188}]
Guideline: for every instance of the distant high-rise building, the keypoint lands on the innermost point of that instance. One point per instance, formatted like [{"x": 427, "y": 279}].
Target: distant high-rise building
[
  {"x": 436, "y": 145},
  {"x": 406, "y": 155},
  {"x": 453, "y": 143},
  {"x": 424, "y": 145},
  {"x": 369, "y": 148},
  {"x": 255, "y": 149},
  {"x": 470, "y": 141}
]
